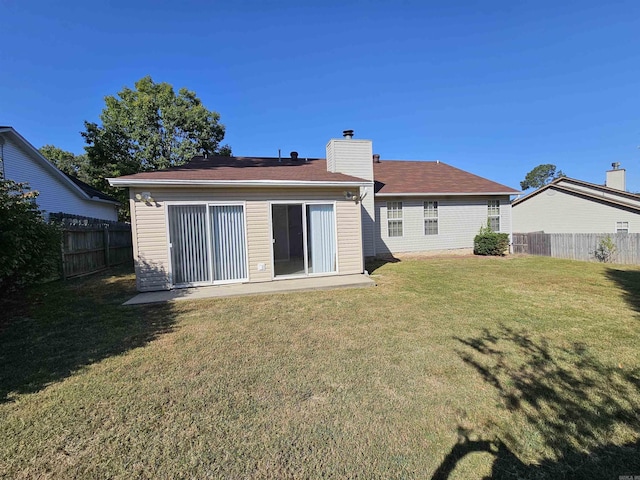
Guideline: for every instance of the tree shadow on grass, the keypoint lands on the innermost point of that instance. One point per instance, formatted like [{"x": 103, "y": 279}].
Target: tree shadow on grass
[
  {"x": 57, "y": 328},
  {"x": 565, "y": 413},
  {"x": 629, "y": 282}
]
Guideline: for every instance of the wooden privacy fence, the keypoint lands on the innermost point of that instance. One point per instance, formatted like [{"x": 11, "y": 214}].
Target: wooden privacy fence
[
  {"x": 90, "y": 245},
  {"x": 578, "y": 246}
]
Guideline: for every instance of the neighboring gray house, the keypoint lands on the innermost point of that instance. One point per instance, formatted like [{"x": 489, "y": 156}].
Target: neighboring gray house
[
  {"x": 22, "y": 162},
  {"x": 220, "y": 220},
  {"x": 567, "y": 205}
]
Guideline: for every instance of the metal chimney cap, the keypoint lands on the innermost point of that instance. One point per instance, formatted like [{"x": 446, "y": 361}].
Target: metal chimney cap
[
  {"x": 376, "y": 158},
  {"x": 294, "y": 155},
  {"x": 615, "y": 165},
  {"x": 348, "y": 134}
]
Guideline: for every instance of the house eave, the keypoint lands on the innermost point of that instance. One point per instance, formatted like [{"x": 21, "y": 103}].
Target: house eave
[
  {"x": 444, "y": 194},
  {"x": 579, "y": 193},
  {"x": 116, "y": 182}
]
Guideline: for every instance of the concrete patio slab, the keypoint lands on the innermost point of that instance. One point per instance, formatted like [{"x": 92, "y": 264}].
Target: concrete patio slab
[{"x": 238, "y": 289}]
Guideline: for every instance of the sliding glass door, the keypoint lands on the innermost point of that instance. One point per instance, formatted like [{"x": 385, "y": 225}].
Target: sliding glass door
[
  {"x": 303, "y": 238},
  {"x": 188, "y": 239},
  {"x": 228, "y": 242},
  {"x": 208, "y": 244},
  {"x": 321, "y": 239}
]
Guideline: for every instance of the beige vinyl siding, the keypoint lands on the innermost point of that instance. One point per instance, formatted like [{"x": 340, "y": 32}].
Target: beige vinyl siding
[
  {"x": 459, "y": 220},
  {"x": 150, "y": 225},
  {"x": 150, "y": 246},
  {"x": 258, "y": 239},
  {"x": 553, "y": 211},
  {"x": 349, "y": 225}
]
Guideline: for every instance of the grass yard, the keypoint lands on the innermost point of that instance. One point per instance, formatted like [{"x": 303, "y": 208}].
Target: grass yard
[{"x": 524, "y": 367}]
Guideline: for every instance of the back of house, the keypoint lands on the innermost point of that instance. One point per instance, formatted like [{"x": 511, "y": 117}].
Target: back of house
[{"x": 218, "y": 220}]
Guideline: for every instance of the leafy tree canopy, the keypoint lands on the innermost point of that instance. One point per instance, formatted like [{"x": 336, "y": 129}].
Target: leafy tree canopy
[
  {"x": 76, "y": 165},
  {"x": 541, "y": 176},
  {"x": 147, "y": 128}
]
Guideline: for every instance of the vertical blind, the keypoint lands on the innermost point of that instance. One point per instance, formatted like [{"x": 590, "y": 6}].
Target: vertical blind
[
  {"x": 321, "y": 240},
  {"x": 188, "y": 237},
  {"x": 228, "y": 242},
  {"x": 190, "y": 241}
]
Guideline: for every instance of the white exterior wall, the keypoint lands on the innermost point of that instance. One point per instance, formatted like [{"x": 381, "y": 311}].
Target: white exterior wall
[
  {"x": 150, "y": 228},
  {"x": 553, "y": 211},
  {"x": 459, "y": 220},
  {"x": 56, "y": 194}
]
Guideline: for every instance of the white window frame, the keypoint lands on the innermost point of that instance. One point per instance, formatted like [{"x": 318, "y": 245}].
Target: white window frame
[
  {"x": 431, "y": 216},
  {"x": 620, "y": 227},
  {"x": 493, "y": 206},
  {"x": 395, "y": 217}
]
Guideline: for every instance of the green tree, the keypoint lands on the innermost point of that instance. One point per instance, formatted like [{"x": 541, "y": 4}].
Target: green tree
[
  {"x": 29, "y": 247},
  {"x": 541, "y": 176},
  {"x": 146, "y": 128},
  {"x": 69, "y": 163}
]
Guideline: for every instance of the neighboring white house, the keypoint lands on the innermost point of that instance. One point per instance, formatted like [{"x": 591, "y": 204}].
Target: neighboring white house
[
  {"x": 22, "y": 162},
  {"x": 567, "y": 205},
  {"x": 253, "y": 219}
]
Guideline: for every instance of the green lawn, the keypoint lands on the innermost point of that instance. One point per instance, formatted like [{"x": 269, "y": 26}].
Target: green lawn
[{"x": 522, "y": 367}]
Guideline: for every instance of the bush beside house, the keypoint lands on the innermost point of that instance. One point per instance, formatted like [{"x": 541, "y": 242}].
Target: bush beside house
[
  {"x": 29, "y": 246},
  {"x": 488, "y": 242}
]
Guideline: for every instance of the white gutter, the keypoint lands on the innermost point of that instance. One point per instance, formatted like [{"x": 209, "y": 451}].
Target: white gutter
[
  {"x": 444, "y": 194},
  {"x": 117, "y": 182}
]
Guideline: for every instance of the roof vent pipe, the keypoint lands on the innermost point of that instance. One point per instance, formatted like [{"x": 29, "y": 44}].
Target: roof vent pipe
[
  {"x": 347, "y": 134},
  {"x": 376, "y": 158}
]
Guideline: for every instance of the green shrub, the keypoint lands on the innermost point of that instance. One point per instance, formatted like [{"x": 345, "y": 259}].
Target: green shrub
[
  {"x": 488, "y": 242},
  {"x": 29, "y": 247},
  {"x": 606, "y": 250}
]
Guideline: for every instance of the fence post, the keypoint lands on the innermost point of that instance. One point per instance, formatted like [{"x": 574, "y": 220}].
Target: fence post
[
  {"x": 62, "y": 259},
  {"x": 107, "y": 247}
]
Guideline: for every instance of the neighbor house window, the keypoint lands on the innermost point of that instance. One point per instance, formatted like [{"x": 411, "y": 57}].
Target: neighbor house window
[
  {"x": 431, "y": 218},
  {"x": 622, "y": 227},
  {"x": 493, "y": 210},
  {"x": 394, "y": 218}
]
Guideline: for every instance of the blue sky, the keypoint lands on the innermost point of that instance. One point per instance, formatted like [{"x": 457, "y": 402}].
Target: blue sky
[{"x": 492, "y": 87}]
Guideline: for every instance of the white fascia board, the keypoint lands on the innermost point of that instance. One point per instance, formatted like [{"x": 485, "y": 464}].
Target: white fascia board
[
  {"x": 116, "y": 182},
  {"x": 445, "y": 194}
]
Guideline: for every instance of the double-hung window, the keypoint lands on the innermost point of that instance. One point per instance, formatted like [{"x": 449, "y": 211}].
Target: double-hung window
[
  {"x": 431, "y": 218},
  {"x": 622, "y": 227},
  {"x": 394, "y": 219},
  {"x": 493, "y": 213}
]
